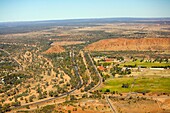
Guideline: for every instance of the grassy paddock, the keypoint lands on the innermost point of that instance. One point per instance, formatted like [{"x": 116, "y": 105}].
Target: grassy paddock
[
  {"x": 145, "y": 64},
  {"x": 142, "y": 84}
]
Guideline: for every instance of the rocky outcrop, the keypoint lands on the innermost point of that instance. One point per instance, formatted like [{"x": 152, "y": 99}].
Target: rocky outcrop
[
  {"x": 55, "y": 49},
  {"x": 124, "y": 44}
]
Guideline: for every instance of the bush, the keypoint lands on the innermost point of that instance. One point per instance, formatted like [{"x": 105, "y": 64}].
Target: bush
[
  {"x": 69, "y": 111},
  {"x": 16, "y": 104},
  {"x": 28, "y": 107},
  {"x": 47, "y": 109},
  {"x": 107, "y": 90},
  {"x": 125, "y": 85},
  {"x": 5, "y": 108}
]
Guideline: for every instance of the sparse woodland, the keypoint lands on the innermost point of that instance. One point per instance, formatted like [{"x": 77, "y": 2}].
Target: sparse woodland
[{"x": 58, "y": 69}]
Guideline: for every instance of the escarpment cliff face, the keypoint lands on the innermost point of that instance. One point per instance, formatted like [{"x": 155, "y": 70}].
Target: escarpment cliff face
[{"x": 124, "y": 44}]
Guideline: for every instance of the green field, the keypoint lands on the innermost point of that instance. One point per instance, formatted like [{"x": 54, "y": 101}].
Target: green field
[
  {"x": 145, "y": 64},
  {"x": 142, "y": 84}
]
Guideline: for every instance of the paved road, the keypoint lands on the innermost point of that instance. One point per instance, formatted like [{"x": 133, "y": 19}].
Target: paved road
[
  {"x": 75, "y": 67},
  {"x": 113, "y": 108},
  {"x": 97, "y": 72}
]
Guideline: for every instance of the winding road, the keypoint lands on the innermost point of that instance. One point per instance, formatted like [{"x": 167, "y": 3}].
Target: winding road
[{"x": 80, "y": 83}]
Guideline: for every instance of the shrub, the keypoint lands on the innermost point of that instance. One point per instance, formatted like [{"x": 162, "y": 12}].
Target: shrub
[{"x": 107, "y": 90}]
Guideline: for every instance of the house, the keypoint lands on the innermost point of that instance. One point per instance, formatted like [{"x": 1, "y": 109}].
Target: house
[{"x": 101, "y": 68}]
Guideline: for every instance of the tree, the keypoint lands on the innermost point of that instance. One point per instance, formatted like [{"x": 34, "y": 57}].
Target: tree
[
  {"x": 55, "y": 94},
  {"x": 84, "y": 96},
  {"x": 51, "y": 93},
  {"x": 47, "y": 84},
  {"x": 6, "y": 107},
  {"x": 28, "y": 107},
  {"x": 74, "y": 109},
  {"x": 26, "y": 100},
  {"x": 72, "y": 97},
  {"x": 166, "y": 60},
  {"x": 45, "y": 93},
  {"x": 31, "y": 98},
  {"x": 1, "y": 108},
  {"x": 113, "y": 74},
  {"x": 125, "y": 85},
  {"x": 3, "y": 100},
  {"x": 40, "y": 96},
  {"x": 114, "y": 92},
  {"x": 21, "y": 98},
  {"x": 39, "y": 90},
  {"x": 107, "y": 90},
  {"x": 17, "y": 103}
]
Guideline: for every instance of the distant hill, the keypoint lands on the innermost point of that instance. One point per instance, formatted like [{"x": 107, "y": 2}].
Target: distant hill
[
  {"x": 118, "y": 44},
  {"x": 29, "y": 26},
  {"x": 55, "y": 49}
]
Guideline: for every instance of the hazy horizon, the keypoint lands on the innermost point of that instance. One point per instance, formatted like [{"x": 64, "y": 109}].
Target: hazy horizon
[
  {"x": 85, "y": 19},
  {"x": 20, "y": 10}
]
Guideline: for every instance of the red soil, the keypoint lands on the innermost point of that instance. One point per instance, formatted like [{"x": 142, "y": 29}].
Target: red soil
[
  {"x": 143, "y": 44},
  {"x": 55, "y": 49}
]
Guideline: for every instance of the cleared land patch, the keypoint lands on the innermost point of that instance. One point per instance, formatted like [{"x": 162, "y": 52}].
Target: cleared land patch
[{"x": 66, "y": 43}]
